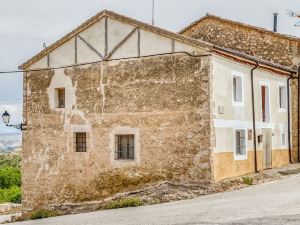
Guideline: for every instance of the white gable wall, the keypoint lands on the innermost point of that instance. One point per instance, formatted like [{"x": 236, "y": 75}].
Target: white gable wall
[{"x": 150, "y": 43}]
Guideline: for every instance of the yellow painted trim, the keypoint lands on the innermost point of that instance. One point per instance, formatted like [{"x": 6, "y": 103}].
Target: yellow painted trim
[{"x": 226, "y": 167}]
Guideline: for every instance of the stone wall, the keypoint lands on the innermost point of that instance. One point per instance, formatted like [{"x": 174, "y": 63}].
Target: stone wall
[
  {"x": 263, "y": 44},
  {"x": 164, "y": 99}
]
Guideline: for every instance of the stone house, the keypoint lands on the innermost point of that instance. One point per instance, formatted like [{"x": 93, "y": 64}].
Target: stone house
[{"x": 117, "y": 104}]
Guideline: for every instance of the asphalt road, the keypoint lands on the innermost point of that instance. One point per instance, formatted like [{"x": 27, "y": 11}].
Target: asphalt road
[{"x": 272, "y": 203}]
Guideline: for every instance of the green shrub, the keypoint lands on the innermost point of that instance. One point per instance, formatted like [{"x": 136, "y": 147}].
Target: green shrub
[
  {"x": 248, "y": 180},
  {"x": 124, "y": 203},
  {"x": 12, "y": 194},
  {"x": 43, "y": 213},
  {"x": 10, "y": 176},
  {"x": 10, "y": 160}
]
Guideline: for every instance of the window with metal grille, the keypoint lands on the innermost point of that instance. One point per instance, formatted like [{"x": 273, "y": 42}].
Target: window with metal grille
[
  {"x": 60, "y": 93},
  {"x": 240, "y": 143},
  {"x": 124, "y": 147},
  {"x": 80, "y": 142}
]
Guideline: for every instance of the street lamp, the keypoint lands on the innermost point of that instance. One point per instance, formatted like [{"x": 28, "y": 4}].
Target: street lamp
[{"x": 6, "y": 118}]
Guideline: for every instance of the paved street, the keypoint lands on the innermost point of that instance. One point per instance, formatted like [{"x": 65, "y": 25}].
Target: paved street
[{"x": 272, "y": 203}]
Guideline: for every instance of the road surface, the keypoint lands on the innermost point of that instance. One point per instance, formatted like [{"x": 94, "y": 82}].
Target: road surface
[{"x": 277, "y": 202}]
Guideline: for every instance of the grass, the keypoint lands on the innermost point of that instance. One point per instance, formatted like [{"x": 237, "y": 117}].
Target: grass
[
  {"x": 43, "y": 213},
  {"x": 247, "y": 180},
  {"x": 124, "y": 203}
]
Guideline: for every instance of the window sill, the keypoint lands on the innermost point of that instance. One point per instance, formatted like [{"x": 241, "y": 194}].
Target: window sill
[
  {"x": 240, "y": 157},
  {"x": 238, "y": 104},
  {"x": 282, "y": 110},
  {"x": 124, "y": 162}
]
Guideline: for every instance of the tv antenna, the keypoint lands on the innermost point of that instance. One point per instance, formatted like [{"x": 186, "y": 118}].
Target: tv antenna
[{"x": 294, "y": 14}]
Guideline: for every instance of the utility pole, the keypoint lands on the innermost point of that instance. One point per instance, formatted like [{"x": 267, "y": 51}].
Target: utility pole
[{"x": 153, "y": 9}]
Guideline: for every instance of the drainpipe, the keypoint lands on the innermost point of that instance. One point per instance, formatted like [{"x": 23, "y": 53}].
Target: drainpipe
[
  {"x": 298, "y": 126},
  {"x": 289, "y": 117},
  {"x": 253, "y": 116}
]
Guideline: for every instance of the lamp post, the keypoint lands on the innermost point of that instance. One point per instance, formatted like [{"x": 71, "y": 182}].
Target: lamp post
[{"x": 6, "y": 118}]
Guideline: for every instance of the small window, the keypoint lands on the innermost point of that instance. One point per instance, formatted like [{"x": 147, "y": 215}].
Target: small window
[
  {"x": 124, "y": 147},
  {"x": 60, "y": 97},
  {"x": 237, "y": 89},
  {"x": 80, "y": 142},
  {"x": 240, "y": 143},
  {"x": 282, "y": 97},
  {"x": 283, "y": 139}
]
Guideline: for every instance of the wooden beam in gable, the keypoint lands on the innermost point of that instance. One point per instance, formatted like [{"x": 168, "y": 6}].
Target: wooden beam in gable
[
  {"x": 120, "y": 43},
  {"x": 91, "y": 47}
]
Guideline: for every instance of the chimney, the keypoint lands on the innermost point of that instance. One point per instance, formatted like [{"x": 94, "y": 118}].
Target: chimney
[{"x": 275, "y": 22}]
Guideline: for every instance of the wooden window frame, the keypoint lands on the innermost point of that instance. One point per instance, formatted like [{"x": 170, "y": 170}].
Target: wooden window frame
[{"x": 61, "y": 98}]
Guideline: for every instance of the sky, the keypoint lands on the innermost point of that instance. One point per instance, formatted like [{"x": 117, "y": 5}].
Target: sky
[{"x": 26, "y": 24}]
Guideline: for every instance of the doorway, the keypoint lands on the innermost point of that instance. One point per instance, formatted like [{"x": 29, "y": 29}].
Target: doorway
[{"x": 267, "y": 148}]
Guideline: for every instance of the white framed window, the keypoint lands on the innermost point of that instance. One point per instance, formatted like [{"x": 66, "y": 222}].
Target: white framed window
[
  {"x": 240, "y": 144},
  {"x": 125, "y": 146},
  {"x": 265, "y": 101},
  {"x": 237, "y": 89},
  {"x": 283, "y": 139},
  {"x": 282, "y": 91}
]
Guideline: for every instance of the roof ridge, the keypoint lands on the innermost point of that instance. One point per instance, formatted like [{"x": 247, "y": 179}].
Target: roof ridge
[{"x": 208, "y": 15}]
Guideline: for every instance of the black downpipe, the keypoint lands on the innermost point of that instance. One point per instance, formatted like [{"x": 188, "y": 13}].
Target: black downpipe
[
  {"x": 253, "y": 116},
  {"x": 289, "y": 118},
  {"x": 298, "y": 126}
]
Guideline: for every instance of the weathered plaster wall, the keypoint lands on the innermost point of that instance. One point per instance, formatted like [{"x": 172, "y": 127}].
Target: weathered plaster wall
[{"x": 165, "y": 101}]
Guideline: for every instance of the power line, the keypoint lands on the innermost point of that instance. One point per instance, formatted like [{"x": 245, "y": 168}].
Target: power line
[{"x": 95, "y": 62}]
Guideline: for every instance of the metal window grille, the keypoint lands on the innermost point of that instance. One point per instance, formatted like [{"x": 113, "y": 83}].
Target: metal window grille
[
  {"x": 124, "y": 147},
  {"x": 80, "y": 142},
  {"x": 240, "y": 142},
  {"x": 61, "y": 97}
]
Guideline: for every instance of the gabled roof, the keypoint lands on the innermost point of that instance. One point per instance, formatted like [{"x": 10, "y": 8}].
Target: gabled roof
[
  {"x": 232, "y": 22},
  {"x": 190, "y": 41},
  {"x": 119, "y": 17}
]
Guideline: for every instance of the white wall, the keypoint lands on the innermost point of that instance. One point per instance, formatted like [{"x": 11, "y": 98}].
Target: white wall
[
  {"x": 150, "y": 44},
  {"x": 240, "y": 116}
]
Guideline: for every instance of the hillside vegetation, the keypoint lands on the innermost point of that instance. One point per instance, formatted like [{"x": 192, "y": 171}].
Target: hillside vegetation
[{"x": 10, "y": 177}]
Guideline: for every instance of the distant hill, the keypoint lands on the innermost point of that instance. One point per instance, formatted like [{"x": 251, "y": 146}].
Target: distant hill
[{"x": 9, "y": 142}]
